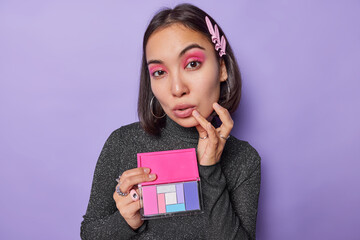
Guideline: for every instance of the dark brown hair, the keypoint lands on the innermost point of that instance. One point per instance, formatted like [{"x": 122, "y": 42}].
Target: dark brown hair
[{"x": 193, "y": 18}]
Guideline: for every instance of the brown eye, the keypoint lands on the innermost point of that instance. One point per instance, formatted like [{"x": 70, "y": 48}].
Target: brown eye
[
  {"x": 193, "y": 65},
  {"x": 158, "y": 73}
]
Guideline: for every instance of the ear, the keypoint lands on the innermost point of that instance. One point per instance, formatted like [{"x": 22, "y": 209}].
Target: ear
[{"x": 223, "y": 71}]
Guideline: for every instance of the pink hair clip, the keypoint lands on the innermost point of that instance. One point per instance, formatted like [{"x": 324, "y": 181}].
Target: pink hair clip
[{"x": 215, "y": 37}]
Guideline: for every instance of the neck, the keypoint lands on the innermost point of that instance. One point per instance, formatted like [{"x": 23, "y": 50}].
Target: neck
[{"x": 175, "y": 130}]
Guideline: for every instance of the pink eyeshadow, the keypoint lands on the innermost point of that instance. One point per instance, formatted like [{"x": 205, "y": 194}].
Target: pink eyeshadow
[
  {"x": 154, "y": 68},
  {"x": 194, "y": 56},
  {"x": 150, "y": 200},
  {"x": 161, "y": 201}
]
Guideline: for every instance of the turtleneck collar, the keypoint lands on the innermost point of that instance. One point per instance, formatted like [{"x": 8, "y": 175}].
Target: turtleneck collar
[{"x": 175, "y": 130}]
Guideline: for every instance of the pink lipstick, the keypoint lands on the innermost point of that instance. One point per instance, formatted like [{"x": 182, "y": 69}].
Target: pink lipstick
[{"x": 183, "y": 110}]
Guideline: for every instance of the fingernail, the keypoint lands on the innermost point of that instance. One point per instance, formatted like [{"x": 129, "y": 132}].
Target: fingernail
[
  {"x": 146, "y": 170},
  {"x": 134, "y": 195},
  {"x": 216, "y": 105},
  {"x": 195, "y": 113},
  {"x": 152, "y": 176}
]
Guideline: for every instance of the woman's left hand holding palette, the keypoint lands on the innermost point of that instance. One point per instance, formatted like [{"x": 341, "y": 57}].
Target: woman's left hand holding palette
[{"x": 129, "y": 206}]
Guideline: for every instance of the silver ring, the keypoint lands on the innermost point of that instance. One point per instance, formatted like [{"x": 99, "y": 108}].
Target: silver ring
[
  {"x": 202, "y": 138},
  {"x": 226, "y": 138},
  {"x": 118, "y": 179},
  {"x": 120, "y": 192}
]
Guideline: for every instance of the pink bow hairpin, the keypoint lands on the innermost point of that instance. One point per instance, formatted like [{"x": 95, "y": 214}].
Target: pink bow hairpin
[{"x": 215, "y": 37}]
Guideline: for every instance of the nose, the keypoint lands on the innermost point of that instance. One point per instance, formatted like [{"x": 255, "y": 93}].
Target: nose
[{"x": 178, "y": 86}]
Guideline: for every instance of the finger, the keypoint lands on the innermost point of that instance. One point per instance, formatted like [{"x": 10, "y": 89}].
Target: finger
[
  {"x": 227, "y": 122},
  {"x": 201, "y": 120},
  {"x": 130, "y": 173},
  {"x": 130, "y": 210},
  {"x": 213, "y": 139},
  {"x": 124, "y": 200},
  {"x": 128, "y": 182},
  {"x": 202, "y": 132},
  {"x": 134, "y": 195},
  {"x": 121, "y": 201},
  {"x": 134, "y": 171},
  {"x": 210, "y": 130}
]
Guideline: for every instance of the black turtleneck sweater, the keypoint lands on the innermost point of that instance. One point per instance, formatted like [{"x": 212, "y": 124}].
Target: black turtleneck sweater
[{"x": 230, "y": 189}]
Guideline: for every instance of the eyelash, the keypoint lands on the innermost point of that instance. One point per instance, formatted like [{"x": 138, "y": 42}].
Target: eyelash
[
  {"x": 153, "y": 74},
  {"x": 194, "y": 61},
  {"x": 161, "y": 72}
]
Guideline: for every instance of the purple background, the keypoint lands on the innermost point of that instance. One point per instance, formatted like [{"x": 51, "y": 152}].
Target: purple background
[{"x": 69, "y": 75}]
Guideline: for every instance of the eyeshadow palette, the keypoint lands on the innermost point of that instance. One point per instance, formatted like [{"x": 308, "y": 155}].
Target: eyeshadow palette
[
  {"x": 177, "y": 187},
  {"x": 170, "y": 198}
]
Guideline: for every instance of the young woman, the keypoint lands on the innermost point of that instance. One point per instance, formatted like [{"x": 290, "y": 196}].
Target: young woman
[{"x": 189, "y": 79}]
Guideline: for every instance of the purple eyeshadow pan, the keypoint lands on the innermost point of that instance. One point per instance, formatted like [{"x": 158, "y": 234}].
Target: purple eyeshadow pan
[
  {"x": 191, "y": 196},
  {"x": 180, "y": 193}
]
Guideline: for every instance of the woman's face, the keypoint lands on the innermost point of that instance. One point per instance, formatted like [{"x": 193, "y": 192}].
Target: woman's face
[{"x": 185, "y": 73}]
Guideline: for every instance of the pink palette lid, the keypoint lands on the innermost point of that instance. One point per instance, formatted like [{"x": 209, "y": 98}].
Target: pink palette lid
[{"x": 170, "y": 166}]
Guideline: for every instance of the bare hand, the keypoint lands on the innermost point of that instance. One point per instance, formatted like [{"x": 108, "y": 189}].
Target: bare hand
[
  {"x": 129, "y": 206},
  {"x": 212, "y": 141}
]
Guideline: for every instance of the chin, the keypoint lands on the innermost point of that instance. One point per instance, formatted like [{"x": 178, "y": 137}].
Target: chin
[{"x": 186, "y": 122}]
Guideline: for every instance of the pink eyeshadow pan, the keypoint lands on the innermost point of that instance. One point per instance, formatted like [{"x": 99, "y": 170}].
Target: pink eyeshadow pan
[
  {"x": 161, "y": 201},
  {"x": 150, "y": 205}
]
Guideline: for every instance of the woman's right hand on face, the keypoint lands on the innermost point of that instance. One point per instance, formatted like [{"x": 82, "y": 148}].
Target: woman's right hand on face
[{"x": 129, "y": 206}]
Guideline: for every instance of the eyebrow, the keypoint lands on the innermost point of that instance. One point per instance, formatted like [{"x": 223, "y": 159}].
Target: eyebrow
[{"x": 191, "y": 46}]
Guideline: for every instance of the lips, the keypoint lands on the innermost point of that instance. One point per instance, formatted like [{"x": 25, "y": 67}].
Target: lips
[{"x": 183, "y": 110}]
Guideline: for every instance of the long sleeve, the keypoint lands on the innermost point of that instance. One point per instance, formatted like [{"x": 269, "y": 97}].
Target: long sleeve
[
  {"x": 232, "y": 209},
  {"x": 230, "y": 189},
  {"x": 102, "y": 219}
]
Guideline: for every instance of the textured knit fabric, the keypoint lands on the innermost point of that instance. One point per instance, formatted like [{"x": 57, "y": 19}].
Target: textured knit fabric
[{"x": 230, "y": 189}]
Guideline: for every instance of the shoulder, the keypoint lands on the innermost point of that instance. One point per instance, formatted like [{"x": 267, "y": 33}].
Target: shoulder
[
  {"x": 121, "y": 143},
  {"x": 118, "y": 136},
  {"x": 130, "y": 135},
  {"x": 127, "y": 131}
]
